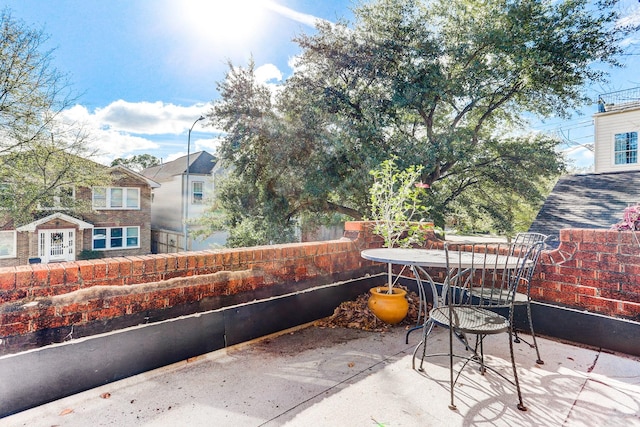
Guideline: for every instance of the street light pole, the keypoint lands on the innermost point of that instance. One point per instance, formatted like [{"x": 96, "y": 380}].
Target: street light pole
[{"x": 188, "y": 188}]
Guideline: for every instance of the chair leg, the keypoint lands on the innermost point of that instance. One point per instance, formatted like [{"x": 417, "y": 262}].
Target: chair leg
[
  {"x": 515, "y": 373},
  {"x": 452, "y": 405},
  {"x": 533, "y": 335},
  {"x": 426, "y": 330}
]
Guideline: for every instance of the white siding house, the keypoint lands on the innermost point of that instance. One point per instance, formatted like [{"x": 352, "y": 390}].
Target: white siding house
[
  {"x": 597, "y": 200},
  {"x": 177, "y": 201},
  {"x": 616, "y": 127}
]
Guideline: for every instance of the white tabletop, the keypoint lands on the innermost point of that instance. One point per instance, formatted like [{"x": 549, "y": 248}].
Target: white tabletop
[
  {"x": 404, "y": 256},
  {"x": 438, "y": 258}
]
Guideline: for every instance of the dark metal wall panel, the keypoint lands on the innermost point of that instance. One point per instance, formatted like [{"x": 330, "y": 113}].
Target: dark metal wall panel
[
  {"x": 39, "y": 376},
  {"x": 587, "y": 328},
  {"x": 250, "y": 321},
  {"x": 35, "y": 377}
]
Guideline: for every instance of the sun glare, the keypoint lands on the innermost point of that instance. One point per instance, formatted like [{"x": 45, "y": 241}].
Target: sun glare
[{"x": 222, "y": 22}]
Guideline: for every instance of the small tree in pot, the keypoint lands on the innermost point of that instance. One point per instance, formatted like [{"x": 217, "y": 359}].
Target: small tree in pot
[
  {"x": 397, "y": 209},
  {"x": 397, "y": 205}
]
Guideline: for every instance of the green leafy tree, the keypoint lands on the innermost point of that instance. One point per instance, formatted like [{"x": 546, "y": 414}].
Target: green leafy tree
[
  {"x": 440, "y": 84},
  {"x": 137, "y": 163},
  {"x": 42, "y": 157}
]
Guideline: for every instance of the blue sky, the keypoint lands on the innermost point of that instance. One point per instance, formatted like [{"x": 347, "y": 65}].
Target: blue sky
[{"x": 146, "y": 69}]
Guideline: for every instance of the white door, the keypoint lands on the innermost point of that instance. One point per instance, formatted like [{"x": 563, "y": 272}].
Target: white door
[{"x": 57, "y": 245}]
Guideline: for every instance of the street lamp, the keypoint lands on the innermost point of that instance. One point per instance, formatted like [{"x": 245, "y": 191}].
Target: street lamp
[{"x": 188, "y": 188}]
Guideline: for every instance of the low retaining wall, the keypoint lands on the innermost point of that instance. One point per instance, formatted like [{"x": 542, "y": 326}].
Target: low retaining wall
[
  {"x": 593, "y": 270},
  {"x": 42, "y": 304}
]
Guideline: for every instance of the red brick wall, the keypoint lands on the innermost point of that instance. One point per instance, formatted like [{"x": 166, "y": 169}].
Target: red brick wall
[
  {"x": 594, "y": 270},
  {"x": 41, "y": 296}
]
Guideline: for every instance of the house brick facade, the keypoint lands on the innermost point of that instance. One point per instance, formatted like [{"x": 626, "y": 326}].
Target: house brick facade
[{"x": 29, "y": 238}]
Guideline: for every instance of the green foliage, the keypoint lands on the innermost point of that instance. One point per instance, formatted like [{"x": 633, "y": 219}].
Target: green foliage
[
  {"x": 397, "y": 203},
  {"x": 42, "y": 158},
  {"x": 439, "y": 84},
  {"x": 137, "y": 163},
  {"x": 248, "y": 215},
  {"x": 32, "y": 92}
]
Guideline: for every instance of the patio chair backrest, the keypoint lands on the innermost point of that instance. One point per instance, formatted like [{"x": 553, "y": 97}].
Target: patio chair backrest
[{"x": 489, "y": 274}]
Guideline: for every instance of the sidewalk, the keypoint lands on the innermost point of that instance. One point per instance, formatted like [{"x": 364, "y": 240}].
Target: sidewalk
[{"x": 340, "y": 377}]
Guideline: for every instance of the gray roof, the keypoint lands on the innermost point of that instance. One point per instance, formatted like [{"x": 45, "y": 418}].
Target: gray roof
[
  {"x": 593, "y": 200},
  {"x": 200, "y": 163}
]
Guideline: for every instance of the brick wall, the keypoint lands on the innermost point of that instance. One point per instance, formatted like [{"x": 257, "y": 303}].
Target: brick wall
[
  {"x": 40, "y": 298},
  {"x": 594, "y": 270}
]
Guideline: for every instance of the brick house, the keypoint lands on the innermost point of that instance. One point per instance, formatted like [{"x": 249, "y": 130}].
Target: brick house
[{"x": 118, "y": 224}]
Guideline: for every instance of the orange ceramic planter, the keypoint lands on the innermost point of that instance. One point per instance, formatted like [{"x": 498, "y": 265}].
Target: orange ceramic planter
[{"x": 390, "y": 308}]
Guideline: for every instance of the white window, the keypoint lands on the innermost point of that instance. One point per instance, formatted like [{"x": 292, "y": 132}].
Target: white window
[
  {"x": 105, "y": 238},
  {"x": 116, "y": 198},
  {"x": 626, "y": 148},
  {"x": 8, "y": 244},
  {"x": 197, "y": 192}
]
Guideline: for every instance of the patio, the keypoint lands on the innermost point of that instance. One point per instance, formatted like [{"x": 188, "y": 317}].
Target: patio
[{"x": 322, "y": 376}]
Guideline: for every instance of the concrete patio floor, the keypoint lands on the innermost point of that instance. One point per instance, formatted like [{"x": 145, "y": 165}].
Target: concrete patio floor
[{"x": 339, "y": 377}]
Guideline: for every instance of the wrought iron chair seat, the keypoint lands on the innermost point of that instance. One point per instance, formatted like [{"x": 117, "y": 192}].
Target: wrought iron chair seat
[{"x": 470, "y": 320}]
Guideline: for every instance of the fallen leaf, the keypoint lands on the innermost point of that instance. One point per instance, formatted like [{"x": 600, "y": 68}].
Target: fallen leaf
[
  {"x": 105, "y": 395},
  {"x": 351, "y": 364},
  {"x": 356, "y": 315},
  {"x": 66, "y": 412}
]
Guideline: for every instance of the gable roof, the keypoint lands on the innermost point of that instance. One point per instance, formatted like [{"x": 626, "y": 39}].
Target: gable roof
[
  {"x": 593, "y": 200},
  {"x": 150, "y": 182},
  {"x": 31, "y": 227},
  {"x": 200, "y": 163}
]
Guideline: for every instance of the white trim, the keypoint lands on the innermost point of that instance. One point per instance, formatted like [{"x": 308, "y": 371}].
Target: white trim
[
  {"x": 62, "y": 251},
  {"x": 31, "y": 227},
  {"x": 637, "y": 150}
]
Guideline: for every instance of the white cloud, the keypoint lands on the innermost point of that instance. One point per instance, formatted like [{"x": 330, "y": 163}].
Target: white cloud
[
  {"x": 124, "y": 128},
  {"x": 630, "y": 17},
  {"x": 268, "y": 72},
  {"x": 579, "y": 156},
  {"x": 303, "y": 18},
  {"x": 149, "y": 118}
]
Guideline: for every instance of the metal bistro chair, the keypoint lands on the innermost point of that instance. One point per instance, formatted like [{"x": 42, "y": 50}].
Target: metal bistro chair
[
  {"x": 524, "y": 298},
  {"x": 493, "y": 271}
]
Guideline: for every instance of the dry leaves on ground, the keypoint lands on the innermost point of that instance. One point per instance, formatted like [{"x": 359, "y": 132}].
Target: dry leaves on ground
[{"x": 356, "y": 315}]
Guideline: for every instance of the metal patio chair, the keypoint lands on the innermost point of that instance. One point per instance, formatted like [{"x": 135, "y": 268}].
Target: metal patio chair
[
  {"x": 477, "y": 301},
  {"x": 524, "y": 298}
]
